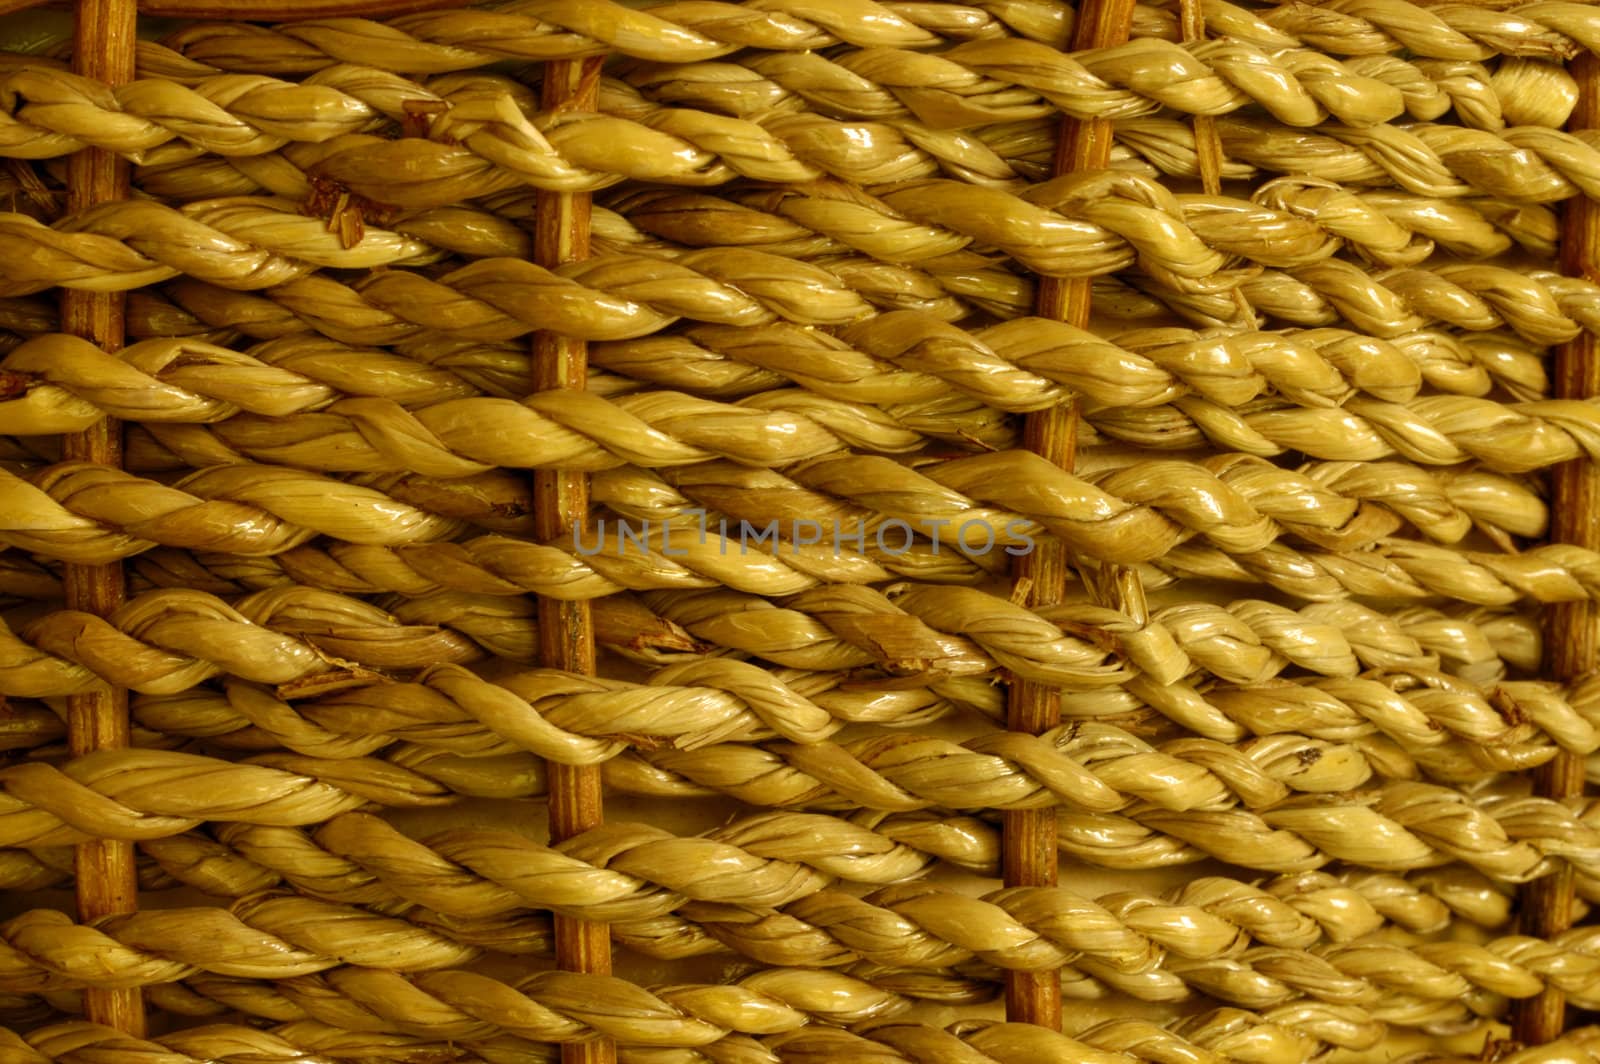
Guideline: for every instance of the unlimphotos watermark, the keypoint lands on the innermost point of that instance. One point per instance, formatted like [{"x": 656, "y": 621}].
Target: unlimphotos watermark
[{"x": 893, "y": 537}]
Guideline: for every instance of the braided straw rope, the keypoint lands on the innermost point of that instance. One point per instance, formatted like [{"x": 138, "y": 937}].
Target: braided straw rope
[
  {"x": 1211, "y": 1036},
  {"x": 656, "y": 430},
  {"x": 287, "y": 937},
  {"x": 1026, "y": 644},
  {"x": 452, "y": 40},
  {"x": 1210, "y": 915},
  {"x": 1397, "y": 826},
  {"x": 284, "y": 942},
  {"x": 295, "y": 633},
  {"x": 244, "y": 860},
  {"x": 156, "y": 242},
  {"x": 1538, "y": 306},
  {"x": 243, "y": 115},
  {"x": 207, "y": 383},
  {"x": 786, "y": 148},
  {"x": 84, "y": 513},
  {"x": 1429, "y": 714},
  {"x": 897, "y": 358}
]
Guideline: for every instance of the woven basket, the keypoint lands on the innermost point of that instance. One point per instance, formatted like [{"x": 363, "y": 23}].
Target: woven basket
[{"x": 799, "y": 531}]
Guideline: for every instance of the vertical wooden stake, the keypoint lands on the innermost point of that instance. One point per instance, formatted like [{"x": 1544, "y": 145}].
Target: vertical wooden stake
[
  {"x": 102, "y": 49},
  {"x": 1207, "y": 141},
  {"x": 1571, "y": 629},
  {"x": 1030, "y": 834},
  {"x": 1208, "y": 144},
  {"x": 561, "y": 501}
]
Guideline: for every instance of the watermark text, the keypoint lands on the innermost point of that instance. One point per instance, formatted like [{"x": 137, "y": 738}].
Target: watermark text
[{"x": 894, "y": 536}]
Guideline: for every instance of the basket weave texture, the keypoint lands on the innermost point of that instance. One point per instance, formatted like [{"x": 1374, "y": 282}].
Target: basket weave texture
[{"x": 802, "y": 531}]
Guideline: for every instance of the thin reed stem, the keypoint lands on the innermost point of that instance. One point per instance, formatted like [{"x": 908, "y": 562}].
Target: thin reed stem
[
  {"x": 103, "y": 49},
  {"x": 561, "y": 500},
  {"x": 1571, "y": 629},
  {"x": 1041, "y": 576}
]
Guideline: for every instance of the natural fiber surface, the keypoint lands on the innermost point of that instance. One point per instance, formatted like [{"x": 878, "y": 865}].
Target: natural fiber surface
[{"x": 816, "y": 320}]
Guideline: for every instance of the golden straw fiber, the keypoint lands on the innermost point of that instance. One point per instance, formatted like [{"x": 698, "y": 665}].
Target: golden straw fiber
[{"x": 799, "y": 532}]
